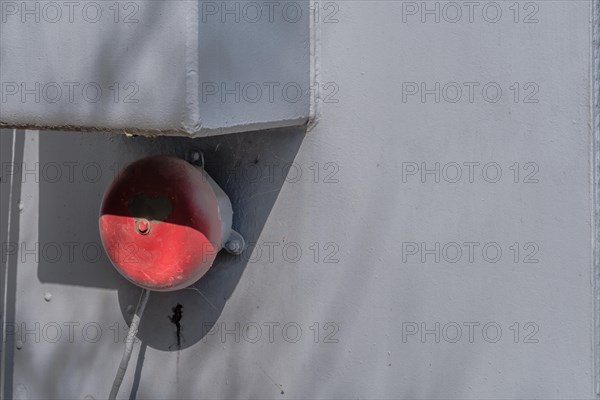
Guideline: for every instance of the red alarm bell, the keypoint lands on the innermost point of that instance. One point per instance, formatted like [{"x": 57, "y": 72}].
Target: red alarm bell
[{"x": 163, "y": 221}]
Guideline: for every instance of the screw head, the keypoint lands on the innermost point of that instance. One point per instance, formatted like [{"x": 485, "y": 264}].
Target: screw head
[
  {"x": 142, "y": 226},
  {"x": 234, "y": 246}
]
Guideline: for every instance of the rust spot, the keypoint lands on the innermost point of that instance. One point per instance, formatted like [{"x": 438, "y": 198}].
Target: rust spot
[{"x": 176, "y": 320}]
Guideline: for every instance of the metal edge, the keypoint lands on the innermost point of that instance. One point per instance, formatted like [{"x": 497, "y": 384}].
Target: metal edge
[
  {"x": 314, "y": 113},
  {"x": 595, "y": 176}
]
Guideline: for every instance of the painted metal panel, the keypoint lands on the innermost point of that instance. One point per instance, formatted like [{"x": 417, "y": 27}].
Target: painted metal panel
[
  {"x": 356, "y": 228},
  {"x": 155, "y": 67}
]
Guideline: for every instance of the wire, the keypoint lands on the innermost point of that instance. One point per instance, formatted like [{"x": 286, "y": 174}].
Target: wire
[{"x": 133, "y": 329}]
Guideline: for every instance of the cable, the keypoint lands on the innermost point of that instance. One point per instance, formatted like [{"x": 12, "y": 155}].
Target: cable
[{"x": 133, "y": 329}]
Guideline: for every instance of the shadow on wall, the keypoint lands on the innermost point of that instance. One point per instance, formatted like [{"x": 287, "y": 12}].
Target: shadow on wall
[{"x": 250, "y": 167}]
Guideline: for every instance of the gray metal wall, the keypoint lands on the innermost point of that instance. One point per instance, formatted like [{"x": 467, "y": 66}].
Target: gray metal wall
[{"x": 377, "y": 271}]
